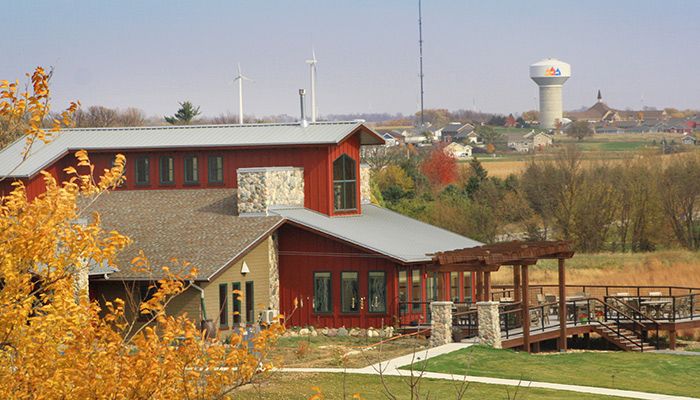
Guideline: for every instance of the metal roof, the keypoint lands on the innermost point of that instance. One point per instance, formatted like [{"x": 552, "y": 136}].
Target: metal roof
[
  {"x": 172, "y": 137},
  {"x": 383, "y": 231}
]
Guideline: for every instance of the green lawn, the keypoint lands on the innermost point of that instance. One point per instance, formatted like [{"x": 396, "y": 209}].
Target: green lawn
[
  {"x": 648, "y": 372},
  {"x": 299, "y": 386}
]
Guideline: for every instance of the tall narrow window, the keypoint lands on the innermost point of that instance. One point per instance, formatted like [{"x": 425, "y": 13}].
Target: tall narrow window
[
  {"x": 416, "y": 290},
  {"x": 236, "y": 297},
  {"x": 223, "y": 305},
  {"x": 191, "y": 170},
  {"x": 454, "y": 286},
  {"x": 141, "y": 170},
  {"x": 377, "y": 291},
  {"x": 249, "y": 303},
  {"x": 215, "y": 170},
  {"x": 322, "y": 292},
  {"x": 403, "y": 290},
  {"x": 167, "y": 170},
  {"x": 344, "y": 184},
  {"x": 349, "y": 292},
  {"x": 467, "y": 287}
]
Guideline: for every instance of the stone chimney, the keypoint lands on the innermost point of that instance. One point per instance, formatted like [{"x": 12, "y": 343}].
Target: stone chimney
[
  {"x": 260, "y": 189},
  {"x": 365, "y": 188}
]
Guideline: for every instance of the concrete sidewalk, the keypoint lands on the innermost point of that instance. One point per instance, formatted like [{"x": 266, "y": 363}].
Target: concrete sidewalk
[{"x": 391, "y": 368}]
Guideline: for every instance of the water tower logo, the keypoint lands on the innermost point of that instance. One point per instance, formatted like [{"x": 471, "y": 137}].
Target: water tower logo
[{"x": 551, "y": 71}]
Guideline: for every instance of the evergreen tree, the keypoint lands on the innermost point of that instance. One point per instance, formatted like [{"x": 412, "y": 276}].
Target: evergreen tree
[{"x": 184, "y": 115}]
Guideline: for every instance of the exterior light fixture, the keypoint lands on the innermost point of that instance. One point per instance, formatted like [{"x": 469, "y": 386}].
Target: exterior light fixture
[{"x": 244, "y": 268}]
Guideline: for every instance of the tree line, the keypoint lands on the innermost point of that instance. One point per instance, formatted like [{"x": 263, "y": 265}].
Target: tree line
[{"x": 641, "y": 204}]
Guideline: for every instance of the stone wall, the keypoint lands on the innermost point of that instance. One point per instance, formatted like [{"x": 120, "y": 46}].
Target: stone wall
[
  {"x": 441, "y": 323},
  {"x": 489, "y": 323},
  {"x": 365, "y": 188},
  {"x": 274, "y": 277},
  {"x": 261, "y": 188}
]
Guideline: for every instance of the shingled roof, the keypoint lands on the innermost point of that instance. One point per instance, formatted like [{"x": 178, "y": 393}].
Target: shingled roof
[{"x": 198, "y": 226}]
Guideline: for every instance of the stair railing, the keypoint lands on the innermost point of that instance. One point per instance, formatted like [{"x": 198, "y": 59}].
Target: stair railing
[
  {"x": 638, "y": 316},
  {"x": 640, "y": 327}
]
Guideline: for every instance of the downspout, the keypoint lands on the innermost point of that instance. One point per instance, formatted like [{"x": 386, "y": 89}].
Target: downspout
[{"x": 201, "y": 299}]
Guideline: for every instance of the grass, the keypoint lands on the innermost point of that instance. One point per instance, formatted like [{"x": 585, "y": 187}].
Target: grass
[
  {"x": 322, "y": 351},
  {"x": 664, "y": 267},
  {"x": 299, "y": 386},
  {"x": 647, "y": 372}
]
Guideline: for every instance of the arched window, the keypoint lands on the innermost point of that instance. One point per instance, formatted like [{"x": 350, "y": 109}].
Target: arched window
[{"x": 344, "y": 184}]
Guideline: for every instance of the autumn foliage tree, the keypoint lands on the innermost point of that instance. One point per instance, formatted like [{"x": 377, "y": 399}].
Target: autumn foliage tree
[
  {"x": 57, "y": 344},
  {"x": 439, "y": 167}
]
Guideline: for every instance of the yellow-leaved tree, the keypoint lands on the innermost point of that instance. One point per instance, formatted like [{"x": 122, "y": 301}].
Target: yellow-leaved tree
[{"x": 56, "y": 344}]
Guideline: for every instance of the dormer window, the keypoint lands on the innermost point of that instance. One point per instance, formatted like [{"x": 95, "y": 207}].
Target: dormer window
[{"x": 344, "y": 184}]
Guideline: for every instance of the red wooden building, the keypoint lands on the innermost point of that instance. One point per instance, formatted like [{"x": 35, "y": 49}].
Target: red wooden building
[{"x": 340, "y": 260}]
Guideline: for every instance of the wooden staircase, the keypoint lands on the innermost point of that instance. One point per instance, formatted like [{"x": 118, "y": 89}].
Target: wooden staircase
[{"x": 625, "y": 339}]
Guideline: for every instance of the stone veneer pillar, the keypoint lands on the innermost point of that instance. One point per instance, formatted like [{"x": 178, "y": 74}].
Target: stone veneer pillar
[
  {"x": 441, "y": 323},
  {"x": 261, "y": 188},
  {"x": 274, "y": 273},
  {"x": 489, "y": 323},
  {"x": 365, "y": 187}
]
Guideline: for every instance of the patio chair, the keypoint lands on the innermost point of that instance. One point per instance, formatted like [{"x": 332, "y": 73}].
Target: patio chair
[
  {"x": 535, "y": 317},
  {"x": 655, "y": 294},
  {"x": 550, "y": 298},
  {"x": 540, "y": 298},
  {"x": 622, "y": 294}
]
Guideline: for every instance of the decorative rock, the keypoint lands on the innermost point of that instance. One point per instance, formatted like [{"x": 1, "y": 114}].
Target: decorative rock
[
  {"x": 304, "y": 332},
  {"x": 342, "y": 331},
  {"x": 314, "y": 333},
  {"x": 388, "y": 332},
  {"x": 332, "y": 332},
  {"x": 371, "y": 333},
  {"x": 441, "y": 323},
  {"x": 324, "y": 331},
  {"x": 354, "y": 332}
]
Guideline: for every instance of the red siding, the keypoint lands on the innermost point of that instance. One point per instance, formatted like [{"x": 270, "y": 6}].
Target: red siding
[
  {"x": 316, "y": 160},
  {"x": 321, "y": 254}
]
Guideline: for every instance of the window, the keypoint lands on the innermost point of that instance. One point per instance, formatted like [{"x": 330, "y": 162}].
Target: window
[
  {"x": 467, "y": 287},
  {"x": 249, "y": 303},
  {"x": 141, "y": 169},
  {"x": 454, "y": 286},
  {"x": 416, "y": 290},
  {"x": 223, "y": 305},
  {"x": 349, "y": 292},
  {"x": 167, "y": 170},
  {"x": 191, "y": 170},
  {"x": 322, "y": 292},
  {"x": 344, "y": 183},
  {"x": 216, "y": 169},
  {"x": 403, "y": 290},
  {"x": 377, "y": 291},
  {"x": 236, "y": 297}
]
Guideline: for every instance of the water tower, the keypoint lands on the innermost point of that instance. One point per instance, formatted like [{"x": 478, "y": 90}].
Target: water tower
[{"x": 550, "y": 75}]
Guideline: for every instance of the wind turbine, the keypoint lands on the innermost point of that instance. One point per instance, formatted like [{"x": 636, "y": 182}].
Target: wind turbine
[
  {"x": 240, "y": 78},
  {"x": 312, "y": 67}
]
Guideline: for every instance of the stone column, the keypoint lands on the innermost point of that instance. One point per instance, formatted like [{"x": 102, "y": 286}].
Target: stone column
[
  {"x": 489, "y": 323},
  {"x": 441, "y": 324},
  {"x": 365, "y": 188},
  {"x": 273, "y": 259}
]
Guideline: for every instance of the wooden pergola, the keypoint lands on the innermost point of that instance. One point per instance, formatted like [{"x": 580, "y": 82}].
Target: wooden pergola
[{"x": 520, "y": 255}]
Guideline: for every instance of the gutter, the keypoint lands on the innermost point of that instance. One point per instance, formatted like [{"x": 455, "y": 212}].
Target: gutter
[{"x": 201, "y": 299}]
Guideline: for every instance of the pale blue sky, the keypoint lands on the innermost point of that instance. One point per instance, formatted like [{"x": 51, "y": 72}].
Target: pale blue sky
[{"x": 152, "y": 54}]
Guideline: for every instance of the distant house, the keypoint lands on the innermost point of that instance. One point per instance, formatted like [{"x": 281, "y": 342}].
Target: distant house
[
  {"x": 602, "y": 113},
  {"x": 529, "y": 141},
  {"x": 473, "y": 138},
  {"x": 689, "y": 140},
  {"x": 458, "y": 151},
  {"x": 454, "y": 132},
  {"x": 393, "y": 138}
]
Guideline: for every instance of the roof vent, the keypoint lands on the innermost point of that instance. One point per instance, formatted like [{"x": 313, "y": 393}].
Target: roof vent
[{"x": 304, "y": 123}]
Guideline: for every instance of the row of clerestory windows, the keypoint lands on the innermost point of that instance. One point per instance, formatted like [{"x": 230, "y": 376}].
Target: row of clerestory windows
[{"x": 166, "y": 170}]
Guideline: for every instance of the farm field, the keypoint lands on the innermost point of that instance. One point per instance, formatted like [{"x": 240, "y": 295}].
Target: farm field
[
  {"x": 603, "y": 147},
  {"x": 649, "y": 372},
  {"x": 300, "y": 386}
]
